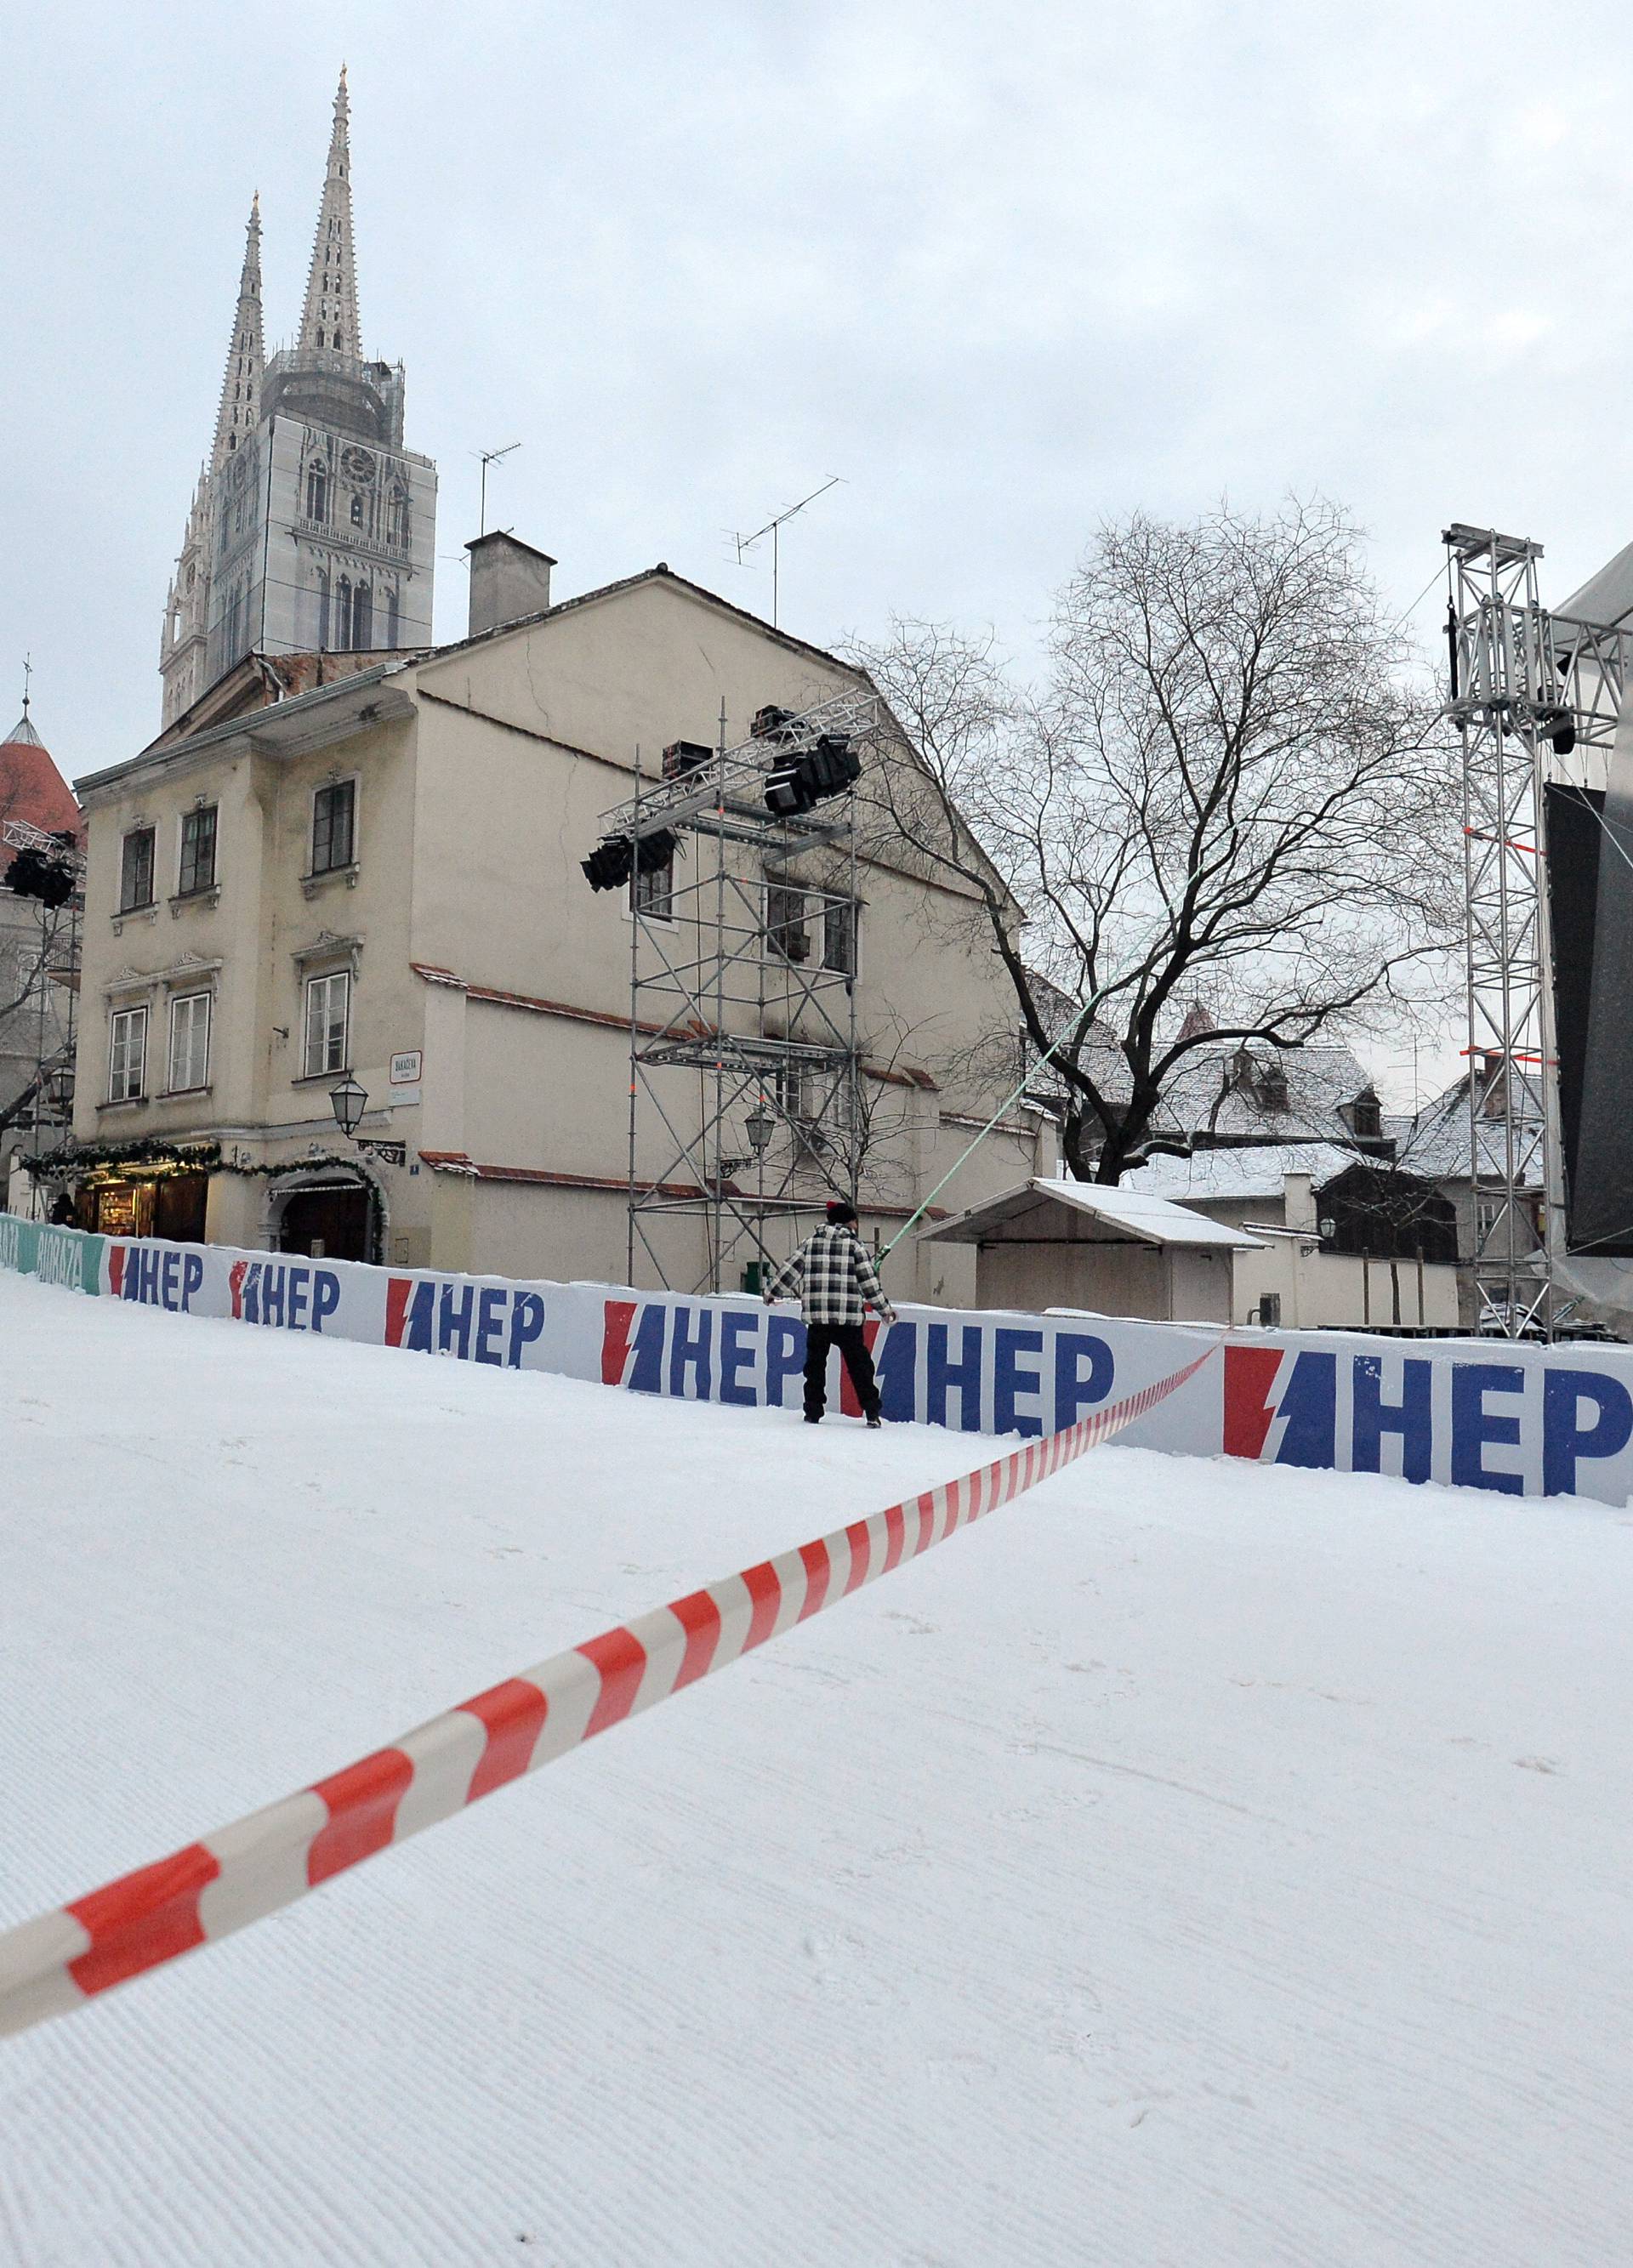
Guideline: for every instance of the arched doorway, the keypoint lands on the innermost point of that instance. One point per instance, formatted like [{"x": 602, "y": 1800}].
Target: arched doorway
[{"x": 334, "y": 1219}]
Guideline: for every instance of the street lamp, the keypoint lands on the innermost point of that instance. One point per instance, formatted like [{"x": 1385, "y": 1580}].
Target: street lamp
[
  {"x": 759, "y": 1126},
  {"x": 348, "y": 1101}
]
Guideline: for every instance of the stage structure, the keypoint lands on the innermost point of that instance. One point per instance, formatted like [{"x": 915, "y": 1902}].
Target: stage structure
[
  {"x": 746, "y": 1105},
  {"x": 1535, "y": 697},
  {"x": 50, "y": 868}
]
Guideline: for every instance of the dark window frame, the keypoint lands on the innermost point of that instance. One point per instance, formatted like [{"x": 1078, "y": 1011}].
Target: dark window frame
[
  {"x": 196, "y": 875},
  {"x": 129, "y": 901},
  {"x": 325, "y": 835}
]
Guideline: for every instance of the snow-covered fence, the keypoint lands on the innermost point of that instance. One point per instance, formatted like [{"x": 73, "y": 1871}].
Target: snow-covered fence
[{"x": 1486, "y": 1414}]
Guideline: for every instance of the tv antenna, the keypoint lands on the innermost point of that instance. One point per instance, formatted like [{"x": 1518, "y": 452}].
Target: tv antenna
[
  {"x": 490, "y": 456},
  {"x": 772, "y": 528}
]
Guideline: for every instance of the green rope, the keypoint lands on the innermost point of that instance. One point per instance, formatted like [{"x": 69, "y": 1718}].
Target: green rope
[{"x": 1066, "y": 1032}]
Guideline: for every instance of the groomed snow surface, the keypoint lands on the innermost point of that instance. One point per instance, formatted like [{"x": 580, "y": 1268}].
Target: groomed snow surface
[{"x": 1192, "y": 1864}]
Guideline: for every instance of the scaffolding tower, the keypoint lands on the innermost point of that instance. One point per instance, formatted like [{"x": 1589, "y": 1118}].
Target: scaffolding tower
[
  {"x": 51, "y": 1109},
  {"x": 745, "y": 1101},
  {"x": 1534, "y": 695}
]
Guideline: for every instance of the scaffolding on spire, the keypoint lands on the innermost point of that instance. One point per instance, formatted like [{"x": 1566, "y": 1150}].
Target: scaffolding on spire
[
  {"x": 239, "y": 411},
  {"x": 329, "y": 321}
]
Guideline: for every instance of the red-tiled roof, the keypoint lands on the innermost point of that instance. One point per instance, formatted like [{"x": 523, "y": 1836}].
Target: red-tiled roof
[{"x": 32, "y": 789}]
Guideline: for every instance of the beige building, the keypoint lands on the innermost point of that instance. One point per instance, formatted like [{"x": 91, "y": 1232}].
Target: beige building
[{"x": 378, "y": 876}]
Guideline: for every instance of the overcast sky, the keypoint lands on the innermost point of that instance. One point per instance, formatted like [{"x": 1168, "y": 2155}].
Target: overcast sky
[{"x": 1003, "y": 269}]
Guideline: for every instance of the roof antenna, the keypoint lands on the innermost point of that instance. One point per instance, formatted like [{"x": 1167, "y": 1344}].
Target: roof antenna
[
  {"x": 746, "y": 542},
  {"x": 490, "y": 456},
  {"x": 28, "y": 671}
]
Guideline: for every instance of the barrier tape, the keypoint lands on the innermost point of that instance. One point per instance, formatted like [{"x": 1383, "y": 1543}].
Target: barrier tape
[{"x": 59, "y": 1961}]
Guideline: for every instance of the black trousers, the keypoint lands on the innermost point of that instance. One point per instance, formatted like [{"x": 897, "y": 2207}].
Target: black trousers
[{"x": 854, "y": 1349}]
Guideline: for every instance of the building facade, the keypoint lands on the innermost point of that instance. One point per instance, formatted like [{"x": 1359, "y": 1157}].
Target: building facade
[
  {"x": 378, "y": 877},
  {"x": 313, "y": 527}
]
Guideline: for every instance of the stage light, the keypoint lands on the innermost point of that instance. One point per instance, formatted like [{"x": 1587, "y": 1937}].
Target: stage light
[
  {"x": 654, "y": 851},
  {"x": 683, "y": 756},
  {"x": 611, "y": 864}
]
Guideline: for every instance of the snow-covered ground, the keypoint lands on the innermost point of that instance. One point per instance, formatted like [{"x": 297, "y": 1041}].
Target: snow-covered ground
[{"x": 1192, "y": 1864}]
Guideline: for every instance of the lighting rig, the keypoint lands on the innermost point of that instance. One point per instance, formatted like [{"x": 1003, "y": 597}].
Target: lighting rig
[{"x": 741, "y": 974}]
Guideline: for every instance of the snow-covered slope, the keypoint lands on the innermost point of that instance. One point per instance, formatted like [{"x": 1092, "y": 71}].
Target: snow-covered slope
[{"x": 1195, "y": 1865}]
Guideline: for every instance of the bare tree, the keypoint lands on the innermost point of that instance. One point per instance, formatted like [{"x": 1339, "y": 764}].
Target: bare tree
[{"x": 1227, "y": 794}]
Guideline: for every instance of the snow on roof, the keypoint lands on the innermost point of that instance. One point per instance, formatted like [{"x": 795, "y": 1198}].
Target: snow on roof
[
  {"x": 1207, "y": 1093},
  {"x": 1255, "y": 1170},
  {"x": 1436, "y": 1146},
  {"x": 1141, "y": 1213}
]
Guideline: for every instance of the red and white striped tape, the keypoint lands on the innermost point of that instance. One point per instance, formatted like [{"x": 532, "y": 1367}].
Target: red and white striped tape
[{"x": 61, "y": 1959}]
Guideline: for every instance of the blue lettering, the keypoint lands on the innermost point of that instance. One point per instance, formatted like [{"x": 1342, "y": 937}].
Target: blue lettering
[
  {"x": 1010, "y": 1381},
  {"x": 489, "y": 1322},
  {"x": 170, "y": 1272},
  {"x": 250, "y": 1297},
  {"x": 1373, "y": 1417},
  {"x": 689, "y": 1352},
  {"x": 646, "y": 1370},
  {"x": 152, "y": 1263},
  {"x": 736, "y": 1325},
  {"x": 785, "y": 1356},
  {"x": 1472, "y": 1425},
  {"x": 941, "y": 1372},
  {"x": 454, "y": 1322},
  {"x": 300, "y": 1286},
  {"x": 192, "y": 1278},
  {"x": 1072, "y": 1392},
  {"x": 1564, "y": 1439},
  {"x": 1309, "y": 1411},
  {"x": 897, "y": 1372},
  {"x": 272, "y": 1295},
  {"x": 325, "y": 1295},
  {"x": 527, "y": 1324}
]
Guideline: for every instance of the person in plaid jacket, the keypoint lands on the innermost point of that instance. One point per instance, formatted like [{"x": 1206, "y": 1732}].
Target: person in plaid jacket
[{"x": 837, "y": 1281}]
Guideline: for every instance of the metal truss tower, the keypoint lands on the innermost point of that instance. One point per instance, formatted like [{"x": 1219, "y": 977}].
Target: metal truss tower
[
  {"x": 1533, "y": 696},
  {"x": 746, "y": 1107}
]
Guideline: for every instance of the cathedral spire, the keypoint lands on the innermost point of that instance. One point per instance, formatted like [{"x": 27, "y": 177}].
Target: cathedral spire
[
  {"x": 240, "y": 413},
  {"x": 330, "y": 317}
]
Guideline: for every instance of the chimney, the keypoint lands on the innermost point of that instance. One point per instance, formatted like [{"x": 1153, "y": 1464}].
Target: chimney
[
  {"x": 1298, "y": 1206},
  {"x": 508, "y": 581}
]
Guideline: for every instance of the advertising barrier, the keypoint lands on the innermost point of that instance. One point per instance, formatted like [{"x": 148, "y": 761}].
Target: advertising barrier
[
  {"x": 258, "y": 1865},
  {"x": 1510, "y": 1417}
]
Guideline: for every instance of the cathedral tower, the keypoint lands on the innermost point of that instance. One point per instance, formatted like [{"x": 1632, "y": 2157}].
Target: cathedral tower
[{"x": 313, "y": 528}]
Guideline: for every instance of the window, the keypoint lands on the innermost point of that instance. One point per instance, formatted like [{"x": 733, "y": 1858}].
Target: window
[
  {"x": 785, "y": 932},
  {"x": 342, "y": 614},
  {"x": 357, "y": 510},
  {"x": 317, "y": 492},
  {"x": 333, "y": 811},
  {"x": 838, "y": 935},
  {"x": 189, "y": 1042},
  {"x": 328, "y": 1015},
  {"x": 652, "y": 892},
  {"x": 198, "y": 851},
  {"x": 127, "y": 1054},
  {"x": 1270, "y": 1310},
  {"x": 136, "y": 870},
  {"x": 1366, "y": 1117},
  {"x": 363, "y": 619},
  {"x": 397, "y": 517},
  {"x": 322, "y": 587},
  {"x": 392, "y": 618}
]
